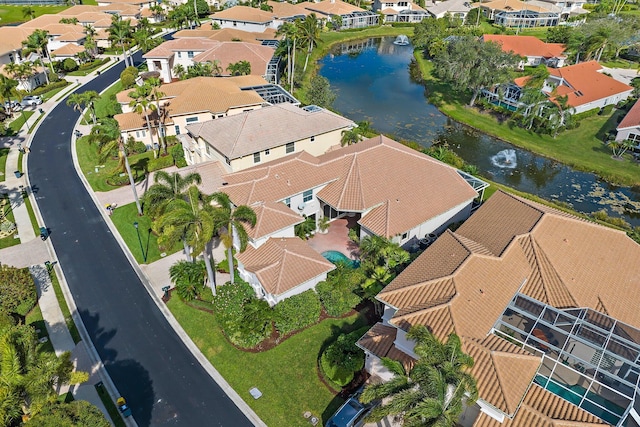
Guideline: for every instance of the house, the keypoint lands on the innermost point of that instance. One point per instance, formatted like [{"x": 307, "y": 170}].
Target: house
[
  {"x": 282, "y": 267},
  {"x": 583, "y": 85},
  {"x": 140, "y": 4},
  {"x": 454, "y": 8},
  {"x": 392, "y": 190},
  {"x": 268, "y": 37},
  {"x": 186, "y": 51},
  {"x": 283, "y": 11},
  {"x": 544, "y": 308},
  {"x": 11, "y": 39},
  {"x": 629, "y": 127},
  {"x": 516, "y": 13},
  {"x": 245, "y": 18},
  {"x": 350, "y": 16},
  {"x": 190, "y": 101},
  {"x": 244, "y": 140},
  {"x": 533, "y": 50},
  {"x": 400, "y": 11},
  {"x": 569, "y": 8}
]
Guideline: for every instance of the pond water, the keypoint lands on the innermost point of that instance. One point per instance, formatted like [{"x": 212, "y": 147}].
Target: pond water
[{"x": 371, "y": 79}]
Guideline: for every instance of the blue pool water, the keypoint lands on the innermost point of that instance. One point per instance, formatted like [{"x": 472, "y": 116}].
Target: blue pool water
[{"x": 338, "y": 257}]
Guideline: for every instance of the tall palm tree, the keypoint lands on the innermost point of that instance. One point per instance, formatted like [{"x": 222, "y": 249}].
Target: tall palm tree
[
  {"x": 434, "y": 391},
  {"x": 120, "y": 32},
  {"x": 143, "y": 105},
  {"x": 39, "y": 40},
  {"x": 192, "y": 220},
  {"x": 240, "y": 68},
  {"x": 76, "y": 101},
  {"x": 166, "y": 188},
  {"x": 155, "y": 95},
  {"x": 310, "y": 35},
  {"x": 7, "y": 90},
  {"x": 28, "y": 12},
  {"x": 230, "y": 222},
  {"x": 90, "y": 97},
  {"x": 290, "y": 32}
]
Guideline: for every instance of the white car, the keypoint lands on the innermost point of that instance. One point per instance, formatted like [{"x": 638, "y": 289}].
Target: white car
[
  {"x": 12, "y": 106},
  {"x": 31, "y": 101}
]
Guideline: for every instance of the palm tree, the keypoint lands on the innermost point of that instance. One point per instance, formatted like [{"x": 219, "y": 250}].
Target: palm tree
[
  {"x": 76, "y": 100},
  {"x": 188, "y": 277},
  {"x": 349, "y": 137},
  {"x": 120, "y": 31},
  {"x": 310, "y": 35},
  {"x": 7, "y": 89},
  {"x": 290, "y": 33},
  {"x": 143, "y": 105},
  {"x": 39, "y": 40},
  {"x": 28, "y": 12},
  {"x": 90, "y": 97},
  {"x": 192, "y": 221},
  {"x": 166, "y": 188},
  {"x": 434, "y": 391},
  {"x": 155, "y": 95},
  {"x": 240, "y": 68},
  {"x": 179, "y": 71},
  {"x": 230, "y": 222}
]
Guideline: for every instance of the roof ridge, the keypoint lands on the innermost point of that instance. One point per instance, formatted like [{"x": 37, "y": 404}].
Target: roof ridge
[{"x": 541, "y": 257}]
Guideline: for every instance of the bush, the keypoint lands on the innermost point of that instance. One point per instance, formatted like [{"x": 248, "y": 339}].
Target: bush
[
  {"x": 607, "y": 110},
  {"x": 94, "y": 64},
  {"x": 161, "y": 162},
  {"x": 586, "y": 114},
  {"x": 128, "y": 77},
  {"x": 17, "y": 290},
  {"x": 118, "y": 180},
  {"x": 245, "y": 320},
  {"x": 188, "y": 278},
  {"x": 297, "y": 312},
  {"x": 342, "y": 358},
  {"x": 135, "y": 147},
  {"x": 178, "y": 156},
  {"x": 51, "y": 86},
  {"x": 338, "y": 292},
  {"x": 69, "y": 65}
]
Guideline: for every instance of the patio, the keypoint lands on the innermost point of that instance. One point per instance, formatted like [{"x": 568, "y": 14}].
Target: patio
[{"x": 337, "y": 238}]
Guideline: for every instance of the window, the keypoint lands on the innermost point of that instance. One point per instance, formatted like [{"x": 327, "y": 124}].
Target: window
[
  {"x": 313, "y": 138},
  {"x": 287, "y": 202},
  {"x": 267, "y": 152},
  {"x": 177, "y": 128},
  {"x": 192, "y": 119},
  {"x": 307, "y": 196},
  {"x": 405, "y": 235},
  {"x": 290, "y": 147},
  {"x": 179, "y": 54},
  {"x": 235, "y": 24},
  {"x": 256, "y": 157},
  {"x": 190, "y": 54},
  {"x": 208, "y": 148}
]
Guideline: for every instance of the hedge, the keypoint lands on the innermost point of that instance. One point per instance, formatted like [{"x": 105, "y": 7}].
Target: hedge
[
  {"x": 161, "y": 162},
  {"x": 17, "y": 290},
  {"x": 94, "y": 64},
  {"x": 586, "y": 114},
  {"x": 338, "y": 292},
  {"x": 51, "y": 86},
  {"x": 297, "y": 312}
]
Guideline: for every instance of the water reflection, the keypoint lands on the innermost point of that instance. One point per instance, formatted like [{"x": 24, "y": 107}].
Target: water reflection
[{"x": 372, "y": 81}]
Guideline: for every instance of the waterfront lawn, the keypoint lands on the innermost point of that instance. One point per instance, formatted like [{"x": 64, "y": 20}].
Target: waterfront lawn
[
  {"x": 14, "y": 15},
  {"x": 581, "y": 148},
  {"x": 286, "y": 375}
]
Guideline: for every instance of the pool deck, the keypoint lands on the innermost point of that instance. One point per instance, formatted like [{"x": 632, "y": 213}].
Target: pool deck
[{"x": 336, "y": 239}]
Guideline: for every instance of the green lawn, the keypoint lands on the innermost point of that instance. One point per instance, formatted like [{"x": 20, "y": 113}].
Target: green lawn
[
  {"x": 123, "y": 218},
  {"x": 113, "y": 411},
  {"x": 65, "y": 308},
  {"x": 581, "y": 148},
  {"x": 20, "y": 118},
  {"x": 3, "y": 162},
  {"x": 10, "y": 240},
  {"x": 32, "y": 216},
  {"x": 620, "y": 63},
  {"x": 13, "y": 14},
  {"x": 104, "y": 99},
  {"x": 286, "y": 375},
  {"x": 35, "y": 319}
]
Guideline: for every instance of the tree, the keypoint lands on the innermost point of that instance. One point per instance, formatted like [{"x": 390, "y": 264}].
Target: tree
[
  {"x": 189, "y": 278},
  {"x": 320, "y": 92},
  {"x": 179, "y": 71},
  {"x": 559, "y": 34},
  {"x": 76, "y": 413},
  {"x": 21, "y": 72},
  {"x": 155, "y": 95},
  {"x": 17, "y": 290},
  {"x": 230, "y": 223},
  {"x": 7, "y": 90},
  {"x": 240, "y": 68},
  {"x": 349, "y": 137},
  {"x": 532, "y": 95},
  {"x": 434, "y": 391},
  {"x": 145, "y": 41},
  {"x": 469, "y": 63},
  {"x": 192, "y": 220},
  {"x": 143, "y": 105},
  {"x": 120, "y": 32},
  {"x": 618, "y": 148},
  {"x": 128, "y": 77},
  {"x": 28, "y": 12},
  {"x": 290, "y": 33},
  {"x": 83, "y": 100},
  {"x": 166, "y": 188},
  {"x": 309, "y": 30},
  {"x": 39, "y": 40}
]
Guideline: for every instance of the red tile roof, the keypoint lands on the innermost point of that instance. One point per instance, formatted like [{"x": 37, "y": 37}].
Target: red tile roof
[
  {"x": 632, "y": 119},
  {"x": 526, "y": 45}
]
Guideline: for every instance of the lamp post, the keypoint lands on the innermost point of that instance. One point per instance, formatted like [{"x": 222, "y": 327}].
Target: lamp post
[{"x": 144, "y": 255}]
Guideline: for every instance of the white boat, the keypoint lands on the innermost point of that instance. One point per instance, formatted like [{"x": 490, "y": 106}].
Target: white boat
[{"x": 401, "y": 40}]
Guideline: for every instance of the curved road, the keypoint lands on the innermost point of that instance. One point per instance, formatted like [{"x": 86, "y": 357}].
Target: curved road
[{"x": 149, "y": 364}]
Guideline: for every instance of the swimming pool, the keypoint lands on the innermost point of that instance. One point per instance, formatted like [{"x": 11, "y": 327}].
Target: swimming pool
[{"x": 338, "y": 257}]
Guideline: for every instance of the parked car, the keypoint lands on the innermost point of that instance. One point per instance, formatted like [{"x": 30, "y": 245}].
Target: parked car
[
  {"x": 351, "y": 414},
  {"x": 31, "y": 101},
  {"x": 12, "y": 106}
]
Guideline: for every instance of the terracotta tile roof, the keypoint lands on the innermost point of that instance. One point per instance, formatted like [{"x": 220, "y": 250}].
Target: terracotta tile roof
[
  {"x": 526, "y": 45},
  {"x": 361, "y": 177},
  {"x": 268, "y": 127},
  {"x": 389, "y": 11},
  {"x": 230, "y": 52},
  {"x": 331, "y": 7},
  {"x": 11, "y": 38},
  {"x": 632, "y": 119},
  {"x": 283, "y": 10},
  {"x": 512, "y": 5},
  {"x": 68, "y": 50},
  {"x": 168, "y": 48},
  {"x": 379, "y": 340},
  {"x": 542, "y": 408},
  {"x": 587, "y": 84},
  {"x": 272, "y": 217},
  {"x": 502, "y": 370},
  {"x": 134, "y": 121},
  {"x": 227, "y": 35},
  {"x": 281, "y": 264},
  {"x": 245, "y": 14}
]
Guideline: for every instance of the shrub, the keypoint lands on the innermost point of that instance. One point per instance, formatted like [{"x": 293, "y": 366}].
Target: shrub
[
  {"x": 5, "y": 320},
  {"x": 135, "y": 147},
  {"x": 17, "y": 290},
  {"x": 171, "y": 140},
  {"x": 342, "y": 358},
  {"x": 161, "y": 162},
  {"x": 337, "y": 293},
  {"x": 94, "y": 64},
  {"x": 178, "y": 156},
  {"x": 188, "y": 278},
  {"x": 586, "y": 114},
  {"x": 128, "y": 77},
  {"x": 245, "y": 320},
  {"x": 297, "y": 312},
  {"x": 54, "y": 85},
  {"x": 118, "y": 180},
  {"x": 69, "y": 65}
]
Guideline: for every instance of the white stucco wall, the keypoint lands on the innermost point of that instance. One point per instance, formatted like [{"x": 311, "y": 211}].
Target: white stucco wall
[
  {"x": 374, "y": 366},
  {"x": 405, "y": 344},
  {"x": 627, "y": 132},
  {"x": 286, "y": 232},
  {"x": 254, "y": 27},
  {"x": 603, "y": 102}
]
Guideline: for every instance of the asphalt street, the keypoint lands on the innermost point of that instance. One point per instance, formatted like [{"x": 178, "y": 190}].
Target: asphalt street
[{"x": 149, "y": 364}]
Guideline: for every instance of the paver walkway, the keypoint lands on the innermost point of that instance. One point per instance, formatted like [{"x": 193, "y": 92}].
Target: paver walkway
[{"x": 25, "y": 254}]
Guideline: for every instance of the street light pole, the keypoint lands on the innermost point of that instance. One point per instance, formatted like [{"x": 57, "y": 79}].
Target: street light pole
[{"x": 144, "y": 255}]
